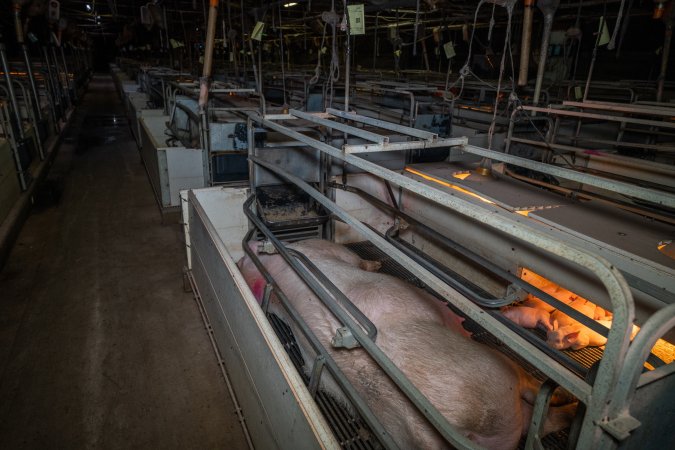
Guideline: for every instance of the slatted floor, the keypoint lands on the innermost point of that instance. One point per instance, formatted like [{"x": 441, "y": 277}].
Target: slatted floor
[{"x": 351, "y": 432}]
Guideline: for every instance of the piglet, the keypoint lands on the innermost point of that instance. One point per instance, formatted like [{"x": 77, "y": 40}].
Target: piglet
[
  {"x": 554, "y": 291},
  {"x": 601, "y": 314},
  {"x": 528, "y": 317},
  {"x": 575, "y": 336},
  {"x": 580, "y": 304}
]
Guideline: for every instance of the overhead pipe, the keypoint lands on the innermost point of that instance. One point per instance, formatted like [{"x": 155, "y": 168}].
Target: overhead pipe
[
  {"x": 525, "y": 41},
  {"x": 548, "y": 9}
]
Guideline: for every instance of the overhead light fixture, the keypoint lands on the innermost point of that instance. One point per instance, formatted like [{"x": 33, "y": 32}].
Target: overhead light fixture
[
  {"x": 288, "y": 5},
  {"x": 88, "y": 6}
]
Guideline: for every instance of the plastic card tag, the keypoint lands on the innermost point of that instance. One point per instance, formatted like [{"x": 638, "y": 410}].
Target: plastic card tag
[
  {"x": 258, "y": 31},
  {"x": 356, "y": 19}
]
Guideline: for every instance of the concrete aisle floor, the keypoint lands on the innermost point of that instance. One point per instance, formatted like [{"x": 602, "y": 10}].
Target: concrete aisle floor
[{"x": 99, "y": 345}]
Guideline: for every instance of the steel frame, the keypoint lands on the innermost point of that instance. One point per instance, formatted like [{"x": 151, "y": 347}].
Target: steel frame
[{"x": 596, "y": 396}]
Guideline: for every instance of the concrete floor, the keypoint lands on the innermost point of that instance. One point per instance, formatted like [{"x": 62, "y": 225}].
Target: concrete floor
[{"x": 99, "y": 345}]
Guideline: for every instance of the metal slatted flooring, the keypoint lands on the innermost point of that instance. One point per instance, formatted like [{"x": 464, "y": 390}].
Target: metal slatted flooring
[{"x": 350, "y": 431}]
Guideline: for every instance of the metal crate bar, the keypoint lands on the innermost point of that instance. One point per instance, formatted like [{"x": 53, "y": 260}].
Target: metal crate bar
[
  {"x": 423, "y": 404},
  {"x": 408, "y": 145},
  {"x": 383, "y": 124},
  {"x": 617, "y": 288},
  {"x": 608, "y": 117},
  {"x": 657, "y": 197},
  {"x": 618, "y": 107},
  {"x": 367, "y": 135}
]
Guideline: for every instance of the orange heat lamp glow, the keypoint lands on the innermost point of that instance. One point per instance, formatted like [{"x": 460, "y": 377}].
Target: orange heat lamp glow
[
  {"x": 667, "y": 248},
  {"x": 662, "y": 349},
  {"x": 449, "y": 185}
]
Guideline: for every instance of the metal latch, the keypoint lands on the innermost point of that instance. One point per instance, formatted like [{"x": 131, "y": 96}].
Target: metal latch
[
  {"x": 344, "y": 339},
  {"x": 620, "y": 427},
  {"x": 267, "y": 247},
  {"x": 515, "y": 293},
  {"x": 400, "y": 224}
]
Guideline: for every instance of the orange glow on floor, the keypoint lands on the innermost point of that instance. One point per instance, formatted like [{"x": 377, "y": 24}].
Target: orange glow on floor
[
  {"x": 667, "y": 248},
  {"x": 461, "y": 175},
  {"x": 449, "y": 185}
]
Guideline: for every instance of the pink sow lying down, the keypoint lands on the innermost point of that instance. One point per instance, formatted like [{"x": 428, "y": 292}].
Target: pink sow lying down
[{"x": 480, "y": 391}]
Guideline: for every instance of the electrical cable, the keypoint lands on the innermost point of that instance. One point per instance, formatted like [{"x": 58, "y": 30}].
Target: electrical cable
[
  {"x": 317, "y": 69},
  {"x": 507, "y": 39},
  {"x": 541, "y": 135}
]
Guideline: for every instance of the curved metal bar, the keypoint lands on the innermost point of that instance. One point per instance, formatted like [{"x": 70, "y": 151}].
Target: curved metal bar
[
  {"x": 617, "y": 288},
  {"x": 650, "y": 195},
  {"x": 359, "y": 404},
  {"x": 657, "y": 325},
  {"x": 461, "y": 288},
  {"x": 428, "y": 410},
  {"x": 504, "y": 274},
  {"x": 342, "y": 299},
  {"x": 541, "y": 406}
]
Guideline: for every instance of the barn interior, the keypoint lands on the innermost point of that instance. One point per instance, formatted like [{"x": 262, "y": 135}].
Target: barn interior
[{"x": 331, "y": 224}]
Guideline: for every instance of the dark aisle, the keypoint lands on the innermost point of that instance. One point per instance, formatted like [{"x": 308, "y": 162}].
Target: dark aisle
[{"x": 99, "y": 345}]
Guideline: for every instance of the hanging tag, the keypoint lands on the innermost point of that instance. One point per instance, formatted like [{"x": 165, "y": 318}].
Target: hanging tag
[
  {"x": 356, "y": 19},
  {"x": 604, "y": 32},
  {"x": 577, "y": 92},
  {"x": 449, "y": 49},
  {"x": 397, "y": 53},
  {"x": 257, "y": 32},
  {"x": 231, "y": 57}
]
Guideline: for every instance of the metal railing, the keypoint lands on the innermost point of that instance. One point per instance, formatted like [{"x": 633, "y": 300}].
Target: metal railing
[{"x": 597, "y": 395}]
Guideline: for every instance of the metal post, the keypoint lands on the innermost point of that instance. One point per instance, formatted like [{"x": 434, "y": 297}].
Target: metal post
[
  {"x": 10, "y": 91},
  {"x": 665, "y": 54},
  {"x": 5, "y": 120},
  {"x": 26, "y": 58},
  {"x": 525, "y": 42},
  {"x": 70, "y": 86},
  {"x": 51, "y": 89},
  {"x": 548, "y": 8},
  {"x": 347, "y": 70},
  {"x": 592, "y": 67},
  {"x": 63, "y": 92},
  {"x": 204, "y": 84}
]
